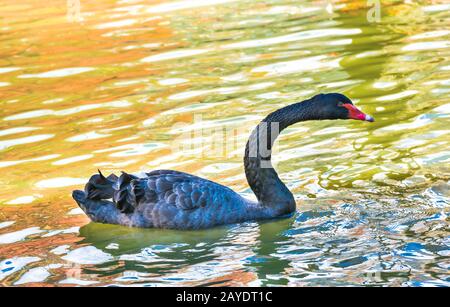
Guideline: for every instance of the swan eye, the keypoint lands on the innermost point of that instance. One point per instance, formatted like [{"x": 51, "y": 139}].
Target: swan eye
[{"x": 340, "y": 104}]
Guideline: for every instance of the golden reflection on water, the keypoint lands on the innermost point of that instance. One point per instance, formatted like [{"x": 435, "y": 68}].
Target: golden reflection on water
[{"x": 140, "y": 85}]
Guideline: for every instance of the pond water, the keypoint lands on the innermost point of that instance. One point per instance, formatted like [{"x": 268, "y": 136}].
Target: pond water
[{"x": 139, "y": 85}]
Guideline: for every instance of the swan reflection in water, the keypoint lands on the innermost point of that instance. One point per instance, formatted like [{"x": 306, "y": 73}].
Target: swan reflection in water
[{"x": 165, "y": 255}]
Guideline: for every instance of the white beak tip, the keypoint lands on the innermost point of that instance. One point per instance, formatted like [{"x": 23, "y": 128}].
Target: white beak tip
[{"x": 369, "y": 118}]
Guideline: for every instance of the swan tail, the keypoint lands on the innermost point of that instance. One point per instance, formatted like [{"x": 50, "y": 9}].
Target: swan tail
[
  {"x": 100, "y": 187},
  {"x": 101, "y": 211}
]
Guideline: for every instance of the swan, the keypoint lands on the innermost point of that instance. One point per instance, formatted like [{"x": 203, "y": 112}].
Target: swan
[{"x": 176, "y": 200}]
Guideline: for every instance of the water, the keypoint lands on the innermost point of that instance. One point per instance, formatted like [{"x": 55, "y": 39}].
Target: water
[{"x": 132, "y": 85}]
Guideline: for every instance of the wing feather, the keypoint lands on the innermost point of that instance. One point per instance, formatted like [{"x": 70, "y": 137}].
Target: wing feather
[{"x": 164, "y": 187}]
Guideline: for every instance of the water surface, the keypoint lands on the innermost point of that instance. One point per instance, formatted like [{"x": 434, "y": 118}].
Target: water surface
[{"x": 140, "y": 85}]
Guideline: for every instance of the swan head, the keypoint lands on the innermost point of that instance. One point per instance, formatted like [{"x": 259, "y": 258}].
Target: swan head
[{"x": 339, "y": 106}]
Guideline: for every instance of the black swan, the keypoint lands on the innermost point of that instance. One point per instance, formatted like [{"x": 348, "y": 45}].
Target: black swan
[{"x": 177, "y": 200}]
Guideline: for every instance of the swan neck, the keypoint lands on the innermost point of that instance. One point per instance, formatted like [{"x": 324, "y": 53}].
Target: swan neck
[{"x": 261, "y": 176}]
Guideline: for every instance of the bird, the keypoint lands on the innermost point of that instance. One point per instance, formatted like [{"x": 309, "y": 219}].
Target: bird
[{"x": 171, "y": 199}]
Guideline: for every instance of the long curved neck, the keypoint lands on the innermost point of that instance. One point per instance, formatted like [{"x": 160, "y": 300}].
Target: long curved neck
[{"x": 261, "y": 176}]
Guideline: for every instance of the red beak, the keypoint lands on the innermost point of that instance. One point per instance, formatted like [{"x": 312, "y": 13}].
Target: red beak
[{"x": 355, "y": 113}]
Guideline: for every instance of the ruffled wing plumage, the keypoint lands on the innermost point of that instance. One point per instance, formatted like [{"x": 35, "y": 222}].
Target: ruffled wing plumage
[{"x": 166, "y": 199}]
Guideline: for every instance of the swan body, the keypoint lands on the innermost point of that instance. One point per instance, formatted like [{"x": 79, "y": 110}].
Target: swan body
[
  {"x": 177, "y": 200},
  {"x": 168, "y": 199}
]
